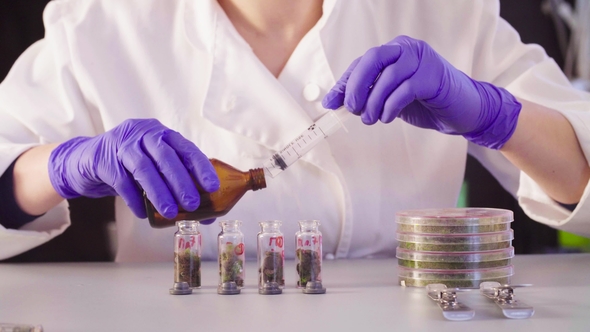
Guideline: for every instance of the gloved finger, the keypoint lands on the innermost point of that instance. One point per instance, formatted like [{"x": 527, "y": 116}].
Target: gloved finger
[
  {"x": 407, "y": 102},
  {"x": 145, "y": 173},
  {"x": 390, "y": 111},
  {"x": 207, "y": 221},
  {"x": 194, "y": 160},
  {"x": 172, "y": 170},
  {"x": 398, "y": 100},
  {"x": 389, "y": 80},
  {"x": 127, "y": 188},
  {"x": 365, "y": 74},
  {"x": 415, "y": 113},
  {"x": 335, "y": 97}
]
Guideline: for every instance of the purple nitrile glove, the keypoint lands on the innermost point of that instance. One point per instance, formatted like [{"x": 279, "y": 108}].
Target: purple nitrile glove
[
  {"x": 406, "y": 78},
  {"x": 138, "y": 151}
]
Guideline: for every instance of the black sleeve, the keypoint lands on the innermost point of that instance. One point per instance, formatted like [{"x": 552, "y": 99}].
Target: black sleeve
[
  {"x": 11, "y": 215},
  {"x": 570, "y": 207}
]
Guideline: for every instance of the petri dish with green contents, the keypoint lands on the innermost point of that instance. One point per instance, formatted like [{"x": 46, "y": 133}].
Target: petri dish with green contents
[
  {"x": 454, "y": 220},
  {"x": 455, "y": 242},
  {"x": 454, "y": 260}
]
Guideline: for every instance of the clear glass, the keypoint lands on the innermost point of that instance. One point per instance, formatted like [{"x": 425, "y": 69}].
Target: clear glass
[
  {"x": 271, "y": 254},
  {"x": 230, "y": 245},
  {"x": 325, "y": 126},
  {"x": 187, "y": 253},
  {"x": 233, "y": 185},
  {"x": 308, "y": 252}
]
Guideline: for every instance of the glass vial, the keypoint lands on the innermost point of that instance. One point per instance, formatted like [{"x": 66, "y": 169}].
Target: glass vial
[
  {"x": 230, "y": 246},
  {"x": 233, "y": 185},
  {"x": 271, "y": 258},
  {"x": 187, "y": 253},
  {"x": 308, "y": 252}
]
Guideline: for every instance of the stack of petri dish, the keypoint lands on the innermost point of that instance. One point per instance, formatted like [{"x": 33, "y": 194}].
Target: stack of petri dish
[{"x": 458, "y": 247}]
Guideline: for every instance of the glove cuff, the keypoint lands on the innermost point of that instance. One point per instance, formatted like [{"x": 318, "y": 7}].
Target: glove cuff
[
  {"x": 58, "y": 164},
  {"x": 500, "y": 128}
]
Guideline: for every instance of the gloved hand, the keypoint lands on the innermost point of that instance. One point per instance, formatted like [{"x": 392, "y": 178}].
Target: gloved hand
[
  {"x": 406, "y": 78},
  {"x": 142, "y": 150}
]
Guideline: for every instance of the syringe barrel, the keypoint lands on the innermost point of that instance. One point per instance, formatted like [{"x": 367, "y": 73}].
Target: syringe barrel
[
  {"x": 331, "y": 122},
  {"x": 328, "y": 124}
]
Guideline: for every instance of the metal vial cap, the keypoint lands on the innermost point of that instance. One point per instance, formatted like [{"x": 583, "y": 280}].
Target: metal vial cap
[
  {"x": 181, "y": 288},
  {"x": 228, "y": 288},
  {"x": 314, "y": 287},
  {"x": 270, "y": 288}
]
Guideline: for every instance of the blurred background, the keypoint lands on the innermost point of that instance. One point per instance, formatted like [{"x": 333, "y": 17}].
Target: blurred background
[{"x": 560, "y": 26}]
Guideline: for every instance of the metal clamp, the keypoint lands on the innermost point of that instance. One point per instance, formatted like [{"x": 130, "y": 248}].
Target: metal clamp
[
  {"x": 447, "y": 301},
  {"x": 503, "y": 296}
]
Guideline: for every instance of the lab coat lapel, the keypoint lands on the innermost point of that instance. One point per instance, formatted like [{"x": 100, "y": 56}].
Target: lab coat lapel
[{"x": 244, "y": 97}]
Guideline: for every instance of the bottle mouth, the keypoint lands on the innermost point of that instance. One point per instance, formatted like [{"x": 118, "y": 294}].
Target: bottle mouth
[
  {"x": 188, "y": 225},
  {"x": 270, "y": 224},
  {"x": 309, "y": 223},
  {"x": 258, "y": 178},
  {"x": 230, "y": 223}
]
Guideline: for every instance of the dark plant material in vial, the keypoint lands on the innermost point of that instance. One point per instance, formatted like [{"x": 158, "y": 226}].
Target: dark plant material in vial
[
  {"x": 230, "y": 266},
  {"x": 309, "y": 266},
  {"x": 272, "y": 268},
  {"x": 187, "y": 268}
]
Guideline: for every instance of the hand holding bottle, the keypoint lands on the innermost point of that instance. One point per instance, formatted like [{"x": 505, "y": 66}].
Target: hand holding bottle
[
  {"x": 137, "y": 154},
  {"x": 406, "y": 78}
]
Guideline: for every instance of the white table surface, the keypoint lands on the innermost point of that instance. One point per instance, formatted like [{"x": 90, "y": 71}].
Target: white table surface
[{"x": 362, "y": 295}]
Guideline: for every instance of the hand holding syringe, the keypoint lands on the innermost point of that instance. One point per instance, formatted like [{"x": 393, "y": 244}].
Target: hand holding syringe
[{"x": 322, "y": 128}]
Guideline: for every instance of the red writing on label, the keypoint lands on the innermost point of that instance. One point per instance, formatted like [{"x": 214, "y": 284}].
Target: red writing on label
[
  {"x": 182, "y": 244},
  {"x": 239, "y": 249},
  {"x": 314, "y": 240},
  {"x": 278, "y": 241}
]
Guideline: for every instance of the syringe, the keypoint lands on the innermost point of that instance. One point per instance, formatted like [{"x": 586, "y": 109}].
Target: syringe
[{"x": 307, "y": 140}]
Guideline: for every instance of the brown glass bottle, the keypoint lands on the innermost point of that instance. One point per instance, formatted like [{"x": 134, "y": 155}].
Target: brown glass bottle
[{"x": 233, "y": 185}]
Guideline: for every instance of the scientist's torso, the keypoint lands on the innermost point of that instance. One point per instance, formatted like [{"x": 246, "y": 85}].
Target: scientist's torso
[{"x": 182, "y": 62}]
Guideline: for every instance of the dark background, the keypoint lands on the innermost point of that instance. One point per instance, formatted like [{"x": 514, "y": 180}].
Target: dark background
[{"x": 86, "y": 240}]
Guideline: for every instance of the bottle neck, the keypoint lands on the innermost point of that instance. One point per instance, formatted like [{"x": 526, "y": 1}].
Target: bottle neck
[
  {"x": 188, "y": 226},
  {"x": 230, "y": 226},
  {"x": 257, "y": 180},
  {"x": 309, "y": 225},
  {"x": 272, "y": 226}
]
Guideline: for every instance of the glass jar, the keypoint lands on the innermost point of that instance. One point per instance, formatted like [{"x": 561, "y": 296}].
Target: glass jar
[
  {"x": 231, "y": 249},
  {"x": 308, "y": 252},
  {"x": 271, "y": 258},
  {"x": 187, "y": 253}
]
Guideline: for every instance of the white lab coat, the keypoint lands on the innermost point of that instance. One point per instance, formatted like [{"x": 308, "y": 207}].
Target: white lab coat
[{"x": 182, "y": 62}]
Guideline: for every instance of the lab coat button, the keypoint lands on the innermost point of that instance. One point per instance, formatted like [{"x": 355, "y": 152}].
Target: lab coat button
[
  {"x": 230, "y": 104},
  {"x": 311, "y": 92}
]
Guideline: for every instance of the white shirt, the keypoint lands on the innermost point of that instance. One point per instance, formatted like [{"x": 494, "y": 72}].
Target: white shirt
[{"x": 182, "y": 62}]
